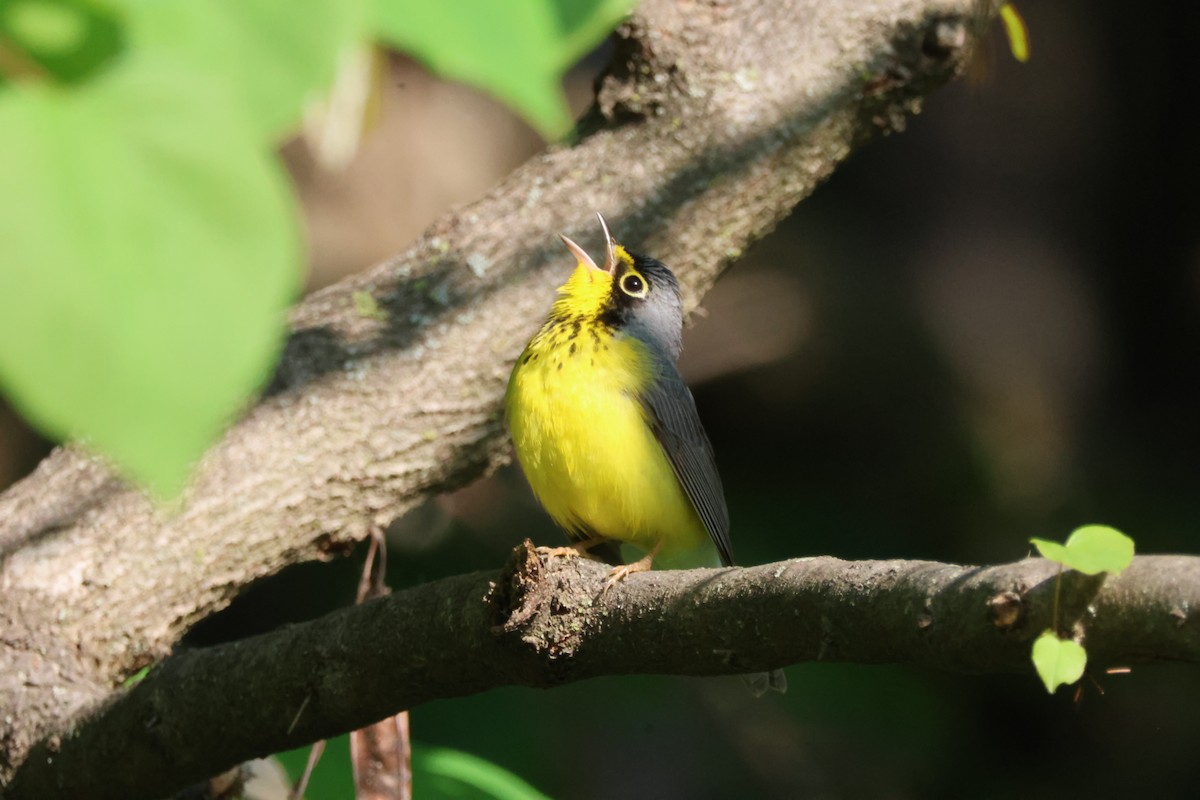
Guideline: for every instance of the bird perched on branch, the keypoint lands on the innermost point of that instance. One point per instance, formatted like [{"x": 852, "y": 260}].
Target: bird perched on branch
[{"x": 605, "y": 428}]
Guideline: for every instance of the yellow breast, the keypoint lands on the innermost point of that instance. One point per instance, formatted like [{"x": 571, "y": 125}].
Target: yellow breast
[{"x": 585, "y": 443}]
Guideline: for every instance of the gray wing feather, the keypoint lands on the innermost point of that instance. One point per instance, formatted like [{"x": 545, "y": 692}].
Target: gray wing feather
[{"x": 677, "y": 427}]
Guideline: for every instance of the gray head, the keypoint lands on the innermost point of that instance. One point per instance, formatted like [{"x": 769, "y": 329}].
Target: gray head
[{"x": 645, "y": 302}]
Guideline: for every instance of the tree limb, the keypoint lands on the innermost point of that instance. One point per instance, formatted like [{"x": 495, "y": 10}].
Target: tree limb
[
  {"x": 712, "y": 123},
  {"x": 547, "y": 622}
]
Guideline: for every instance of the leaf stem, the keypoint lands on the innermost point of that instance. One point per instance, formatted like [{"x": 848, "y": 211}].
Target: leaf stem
[{"x": 1057, "y": 592}]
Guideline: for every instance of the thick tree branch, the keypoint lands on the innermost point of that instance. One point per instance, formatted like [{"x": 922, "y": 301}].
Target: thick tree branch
[
  {"x": 544, "y": 623},
  {"x": 713, "y": 122}
]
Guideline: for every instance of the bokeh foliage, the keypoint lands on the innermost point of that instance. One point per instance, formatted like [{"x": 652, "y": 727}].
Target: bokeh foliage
[{"x": 151, "y": 240}]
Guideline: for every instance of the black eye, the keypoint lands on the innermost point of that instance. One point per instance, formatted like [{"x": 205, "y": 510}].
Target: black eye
[{"x": 633, "y": 285}]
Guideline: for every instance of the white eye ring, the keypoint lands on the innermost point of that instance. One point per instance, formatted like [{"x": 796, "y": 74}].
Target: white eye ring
[{"x": 633, "y": 285}]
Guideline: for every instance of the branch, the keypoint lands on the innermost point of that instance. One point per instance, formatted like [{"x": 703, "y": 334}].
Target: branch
[
  {"x": 544, "y": 623},
  {"x": 712, "y": 123}
]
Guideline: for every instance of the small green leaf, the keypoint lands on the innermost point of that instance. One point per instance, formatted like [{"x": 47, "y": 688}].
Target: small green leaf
[
  {"x": 1016, "y": 31},
  {"x": 1058, "y": 661},
  {"x": 516, "y": 51},
  {"x": 136, "y": 678},
  {"x": 446, "y": 773},
  {"x": 1099, "y": 548},
  {"x": 1091, "y": 550},
  {"x": 1054, "y": 551},
  {"x": 150, "y": 248}
]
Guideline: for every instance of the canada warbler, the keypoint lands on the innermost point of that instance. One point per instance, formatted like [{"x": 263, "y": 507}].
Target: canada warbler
[{"x": 603, "y": 425}]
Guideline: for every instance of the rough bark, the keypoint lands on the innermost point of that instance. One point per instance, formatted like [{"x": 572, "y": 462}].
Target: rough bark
[
  {"x": 543, "y": 622},
  {"x": 713, "y": 121}
]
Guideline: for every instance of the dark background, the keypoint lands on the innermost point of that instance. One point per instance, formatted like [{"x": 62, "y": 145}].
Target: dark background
[{"x": 981, "y": 330}]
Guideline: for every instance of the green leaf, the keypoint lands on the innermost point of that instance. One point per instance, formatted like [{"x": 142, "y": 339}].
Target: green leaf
[
  {"x": 150, "y": 248},
  {"x": 66, "y": 40},
  {"x": 136, "y": 678},
  {"x": 442, "y": 772},
  {"x": 1099, "y": 548},
  {"x": 45, "y": 26},
  {"x": 1058, "y": 661},
  {"x": 1016, "y": 31},
  {"x": 437, "y": 772},
  {"x": 1053, "y": 551},
  {"x": 275, "y": 54},
  {"x": 516, "y": 51},
  {"x": 1091, "y": 549},
  {"x": 582, "y": 25}
]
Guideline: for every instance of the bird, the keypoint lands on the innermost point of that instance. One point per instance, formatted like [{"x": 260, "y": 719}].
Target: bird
[{"x": 603, "y": 426}]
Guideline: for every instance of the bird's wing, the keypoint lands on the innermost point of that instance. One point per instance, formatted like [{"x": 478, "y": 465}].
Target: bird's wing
[{"x": 676, "y": 425}]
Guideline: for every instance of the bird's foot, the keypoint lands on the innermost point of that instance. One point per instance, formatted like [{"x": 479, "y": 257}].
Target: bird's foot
[{"x": 643, "y": 564}]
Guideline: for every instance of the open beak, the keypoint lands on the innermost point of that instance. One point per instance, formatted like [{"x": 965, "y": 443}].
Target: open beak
[
  {"x": 579, "y": 253},
  {"x": 610, "y": 258}
]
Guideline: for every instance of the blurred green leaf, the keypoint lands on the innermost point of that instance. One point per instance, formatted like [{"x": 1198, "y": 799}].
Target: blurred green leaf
[
  {"x": 516, "y": 51},
  {"x": 1016, "y": 31},
  {"x": 1091, "y": 549},
  {"x": 45, "y": 26},
  {"x": 437, "y": 772},
  {"x": 1058, "y": 661},
  {"x": 66, "y": 40},
  {"x": 150, "y": 247},
  {"x": 275, "y": 54},
  {"x": 462, "y": 776},
  {"x": 582, "y": 25}
]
